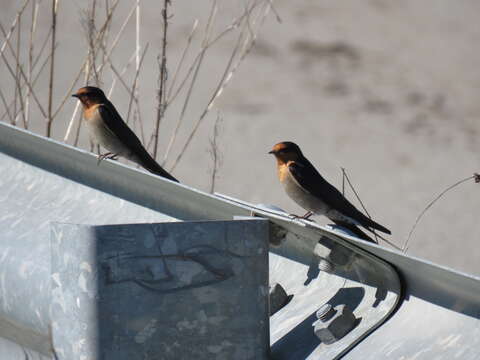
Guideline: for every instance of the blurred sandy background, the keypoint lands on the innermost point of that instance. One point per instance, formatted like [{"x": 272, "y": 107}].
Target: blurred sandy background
[{"x": 386, "y": 89}]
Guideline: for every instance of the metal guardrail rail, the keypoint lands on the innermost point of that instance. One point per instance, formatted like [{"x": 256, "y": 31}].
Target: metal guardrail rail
[{"x": 50, "y": 181}]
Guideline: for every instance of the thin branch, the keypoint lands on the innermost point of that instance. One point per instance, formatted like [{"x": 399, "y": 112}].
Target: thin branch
[
  {"x": 12, "y": 120},
  {"x": 44, "y": 64},
  {"x": 182, "y": 58},
  {"x": 475, "y": 177},
  {"x": 13, "y": 26},
  {"x": 163, "y": 79},
  {"x": 31, "y": 64},
  {"x": 208, "y": 29},
  {"x": 52, "y": 67},
  {"x": 204, "y": 48},
  {"x": 134, "y": 98},
  {"x": 226, "y": 78},
  {"x": 18, "y": 89},
  {"x": 215, "y": 153},
  {"x": 82, "y": 68},
  {"x": 355, "y": 192},
  {"x": 345, "y": 176}
]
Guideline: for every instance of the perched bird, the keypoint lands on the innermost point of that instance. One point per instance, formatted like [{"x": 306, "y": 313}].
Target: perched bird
[
  {"x": 304, "y": 185},
  {"x": 108, "y": 130}
]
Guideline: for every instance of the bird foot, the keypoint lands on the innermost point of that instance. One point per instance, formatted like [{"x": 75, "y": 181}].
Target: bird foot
[
  {"x": 304, "y": 217},
  {"x": 108, "y": 155}
]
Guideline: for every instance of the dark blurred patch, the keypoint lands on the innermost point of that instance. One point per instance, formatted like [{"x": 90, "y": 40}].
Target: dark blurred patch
[
  {"x": 263, "y": 48},
  {"x": 419, "y": 124},
  {"x": 383, "y": 5},
  {"x": 337, "y": 87},
  {"x": 415, "y": 98},
  {"x": 335, "y": 52},
  {"x": 378, "y": 106},
  {"x": 438, "y": 105}
]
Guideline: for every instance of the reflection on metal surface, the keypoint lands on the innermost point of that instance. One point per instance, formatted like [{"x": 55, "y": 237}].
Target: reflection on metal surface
[{"x": 157, "y": 272}]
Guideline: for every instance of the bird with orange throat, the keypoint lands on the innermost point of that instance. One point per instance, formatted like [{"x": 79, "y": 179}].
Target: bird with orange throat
[
  {"x": 304, "y": 185},
  {"x": 107, "y": 129}
]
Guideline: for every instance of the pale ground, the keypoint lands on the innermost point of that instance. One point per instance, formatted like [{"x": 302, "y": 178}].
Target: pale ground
[{"x": 386, "y": 89}]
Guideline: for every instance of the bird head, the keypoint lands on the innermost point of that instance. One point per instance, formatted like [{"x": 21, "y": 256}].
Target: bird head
[
  {"x": 90, "y": 95},
  {"x": 286, "y": 151}
]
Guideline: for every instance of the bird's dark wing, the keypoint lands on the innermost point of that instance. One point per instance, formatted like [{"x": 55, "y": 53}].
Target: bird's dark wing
[
  {"x": 311, "y": 181},
  {"x": 117, "y": 126}
]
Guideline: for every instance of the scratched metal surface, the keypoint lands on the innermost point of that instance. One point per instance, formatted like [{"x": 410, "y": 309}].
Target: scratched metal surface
[
  {"x": 30, "y": 200},
  {"x": 196, "y": 290}
]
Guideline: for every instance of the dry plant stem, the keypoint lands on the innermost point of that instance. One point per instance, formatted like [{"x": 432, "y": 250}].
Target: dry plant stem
[
  {"x": 119, "y": 76},
  {"x": 227, "y": 76},
  {"x": 75, "y": 111},
  {"x": 12, "y": 120},
  {"x": 345, "y": 176},
  {"x": 33, "y": 27},
  {"x": 125, "y": 68},
  {"x": 14, "y": 25},
  {"x": 475, "y": 177},
  {"x": 134, "y": 98},
  {"x": 208, "y": 30},
  {"x": 228, "y": 29},
  {"x": 18, "y": 92},
  {"x": 279, "y": 19},
  {"x": 44, "y": 64},
  {"x": 91, "y": 42},
  {"x": 12, "y": 73},
  {"x": 27, "y": 83},
  {"x": 182, "y": 59},
  {"x": 163, "y": 79},
  {"x": 82, "y": 68},
  {"x": 52, "y": 67},
  {"x": 215, "y": 153}
]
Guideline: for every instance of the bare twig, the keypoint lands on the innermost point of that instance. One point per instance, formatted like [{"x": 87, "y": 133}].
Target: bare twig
[
  {"x": 18, "y": 90},
  {"x": 236, "y": 23},
  {"x": 98, "y": 39},
  {"x": 182, "y": 58},
  {"x": 475, "y": 177},
  {"x": 45, "y": 62},
  {"x": 37, "y": 76},
  {"x": 230, "y": 70},
  {"x": 134, "y": 91},
  {"x": 345, "y": 176},
  {"x": 162, "y": 79},
  {"x": 52, "y": 67},
  {"x": 31, "y": 65},
  {"x": 208, "y": 29},
  {"x": 215, "y": 153},
  {"x": 12, "y": 120},
  {"x": 354, "y": 191}
]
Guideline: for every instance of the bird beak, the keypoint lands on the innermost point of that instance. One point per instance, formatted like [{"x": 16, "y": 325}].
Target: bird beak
[
  {"x": 75, "y": 96},
  {"x": 271, "y": 152}
]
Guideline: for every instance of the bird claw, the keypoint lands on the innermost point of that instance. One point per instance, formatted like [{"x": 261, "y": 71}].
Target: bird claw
[
  {"x": 304, "y": 217},
  {"x": 110, "y": 156}
]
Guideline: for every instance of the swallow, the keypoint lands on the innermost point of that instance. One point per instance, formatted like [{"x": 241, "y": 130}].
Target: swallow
[
  {"x": 108, "y": 130},
  {"x": 304, "y": 185}
]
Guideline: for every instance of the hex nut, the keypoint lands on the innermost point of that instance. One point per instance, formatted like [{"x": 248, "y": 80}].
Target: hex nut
[{"x": 335, "y": 326}]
